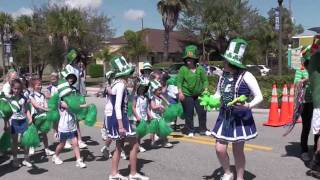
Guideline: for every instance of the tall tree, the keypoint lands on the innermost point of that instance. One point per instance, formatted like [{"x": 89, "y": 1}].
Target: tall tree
[
  {"x": 135, "y": 47},
  {"x": 6, "y": 21},
  {"x": 170, "y": 10},
  {"x": 24, "y": 27}
]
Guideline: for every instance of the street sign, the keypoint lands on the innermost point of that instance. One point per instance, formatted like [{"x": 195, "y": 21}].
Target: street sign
[
  {"x": 277, "y": 20},
  {"x": 7, "y": 49}
]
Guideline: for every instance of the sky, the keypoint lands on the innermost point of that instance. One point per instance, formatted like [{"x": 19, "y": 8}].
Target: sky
[{"x": 127, "y": 14}]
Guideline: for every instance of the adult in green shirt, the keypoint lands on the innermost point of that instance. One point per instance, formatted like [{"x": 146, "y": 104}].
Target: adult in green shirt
[
  {"x": 192, "y": 81},
  {"x": 302, "y": 76}
]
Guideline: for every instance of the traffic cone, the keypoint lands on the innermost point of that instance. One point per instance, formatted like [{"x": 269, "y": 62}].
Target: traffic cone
[
  {"x": 273, "y": 119},
  {"x": 291, "y": 103},
  {"x": 284, "y": 114}
]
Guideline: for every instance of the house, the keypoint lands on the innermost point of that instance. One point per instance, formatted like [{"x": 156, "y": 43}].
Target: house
[
  {"x": 154, "y": 40},
  {"x": 304, "y": 39}
]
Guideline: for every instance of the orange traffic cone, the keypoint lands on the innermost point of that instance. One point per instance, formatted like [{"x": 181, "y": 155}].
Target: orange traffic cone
[
  {"x": 291, "y": 103},
  {"x": 274, "y": 109},
  {"x": 284, "y": 114}
]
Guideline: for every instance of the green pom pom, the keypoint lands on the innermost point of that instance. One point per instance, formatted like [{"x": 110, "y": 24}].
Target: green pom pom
[
  {"x": 154, "y": 126},
  {"x": 91, "y": 117},
  {"x": 164, "y": 129},
  {"x": 5, "y": 142},
  {"x": 172, "y": 112},
  {"x": 45, "y": 127},
  {"x": 73, "y": 102},
  {"x": 53, "y": 102},
  {"x": 129, "y": 112},
  {"x": 53, "y": 115},
  {"x": 142, "y": 129},
  {"x": 39, "y": 120},
  {"x": 6, "y": 110},
  {"x": 30, "y": 137},
  {"x": 82, "y": 114}
]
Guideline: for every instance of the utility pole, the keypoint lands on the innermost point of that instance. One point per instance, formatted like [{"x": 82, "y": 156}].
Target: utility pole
[
  {"x": 142, "y": 23},
  {"x": 280, "y": 38}
]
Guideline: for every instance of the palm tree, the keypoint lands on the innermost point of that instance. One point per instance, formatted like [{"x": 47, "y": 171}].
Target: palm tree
[
  {"x": 170, "y": 10},
  {"x": 24, "y": 28},
  {"x": 135, "y": 47},
  {"x": 5, "y": 20},
  {"x": 64, "y": 23}
]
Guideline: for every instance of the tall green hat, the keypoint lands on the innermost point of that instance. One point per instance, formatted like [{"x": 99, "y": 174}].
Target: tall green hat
[
  {"x": 190, "y": 51},
  {"x": 154, "y": 84},
  {"x": 235, "y": 51},
  {"x": 147, "y": 65},
  {"x": 68, "y": 70},
  {"x": 120, "y": 66},
  {"x": 71, "y": 55},
  {"x": 306, "y": 53},
  {"x": 64, "y": 88},
  {"x": 142, "y": 81}
]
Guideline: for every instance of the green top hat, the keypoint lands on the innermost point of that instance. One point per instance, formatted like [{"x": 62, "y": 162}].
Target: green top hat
[
  {"x": 235, "y": 51},
  {"x": 147, "y": 65},
  {"x": 306, "y": 53},
  {"x": 72, "y": 55},
  {"x": 120, "y": 66},
  {"x": 191, "y": 52},
  {"x": 154, "y": 84},
  {"x": 67, "y": 72},
  {"x": 64, "y": 88}
]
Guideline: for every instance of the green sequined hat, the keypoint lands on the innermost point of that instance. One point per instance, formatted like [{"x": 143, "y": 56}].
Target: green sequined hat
[
  {"x": 191, "y": 52},
  {"x": 235, "y": 52}
]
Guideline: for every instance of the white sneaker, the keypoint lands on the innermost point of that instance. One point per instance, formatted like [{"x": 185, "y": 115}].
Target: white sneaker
[
  {"x": 67, "y": 145},
  {"x": 15, "y": 163},
  {"x": 56, "y": 160},
  {"x": 80, "y": 164},
  {"x": 208, "y": 133},
  {"x": 49, "y": 152},
  {"x": 105, "y": 152},
  {"x": 26, "y": 163},
  {"x": 82, "y": 144},
  {"x": 31, "y": 151},
  {"x": 138, "y": 176},
  {"x": 141, "y": 149},
  {"x": 123, "y": 155},
  {"x": 117, "y": 177},
  {"x": 305, "y": 156},
  {"x": 104, "y": 135},
  {"x": 156, "y": 138},
  {"x": 190, "y": 134},
  {"x": 167, "y": 145},
  {"x": 227, "y": 177}
]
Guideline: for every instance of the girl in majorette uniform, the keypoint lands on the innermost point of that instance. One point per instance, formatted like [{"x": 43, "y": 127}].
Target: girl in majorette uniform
[
  {"x": 235, "y": 123},
  {"x": 119, "y": 127}
]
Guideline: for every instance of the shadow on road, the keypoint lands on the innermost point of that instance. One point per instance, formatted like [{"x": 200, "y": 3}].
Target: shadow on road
[
  {"x": 89, "y": 141},
  {"x": 218, "y": 173},
  {"x": 6, "y": 169},
  {"x": 36, "y": 170},
  {"x": 140, "y": 164}
]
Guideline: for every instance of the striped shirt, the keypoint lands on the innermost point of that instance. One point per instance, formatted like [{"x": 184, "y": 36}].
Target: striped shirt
[{"x": 303, "y": 74}]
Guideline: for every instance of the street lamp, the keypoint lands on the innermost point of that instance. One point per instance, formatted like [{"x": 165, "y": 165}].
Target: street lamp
[{"x": 280, "y": 37}]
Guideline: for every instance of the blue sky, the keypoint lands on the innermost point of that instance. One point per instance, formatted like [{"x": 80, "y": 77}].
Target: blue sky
[{"x": 126, "y": 14}]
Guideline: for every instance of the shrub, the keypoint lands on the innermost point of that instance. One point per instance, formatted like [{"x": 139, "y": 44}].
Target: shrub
[{"x": 95, "y": 70}]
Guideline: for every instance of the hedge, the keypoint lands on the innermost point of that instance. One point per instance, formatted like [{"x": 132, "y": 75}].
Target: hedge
[
  {"x": 95, "y": 70},
  {"x": 265, "y": 83}
]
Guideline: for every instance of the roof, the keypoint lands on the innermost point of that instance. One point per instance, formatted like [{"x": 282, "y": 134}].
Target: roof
[
  {"x": 154, "y": 38},
  {"x": 305, "y": 34}
]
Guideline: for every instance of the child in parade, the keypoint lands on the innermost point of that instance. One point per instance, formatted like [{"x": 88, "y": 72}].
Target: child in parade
[
  {"x": 235, "y": 124},
  {"x": 6, "y": 89},
  {"x": 67, "y": 127},
  {"x": 19, "y": 121},
  {"x": 119, "y": 127},
  {"x": 156, "y": 110},
  {"x": 38, "y": 108},
  {"x": 140, "y": 105}
]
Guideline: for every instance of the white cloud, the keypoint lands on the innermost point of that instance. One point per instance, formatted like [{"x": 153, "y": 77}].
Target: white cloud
[
  {"x": 82, "y": 4},
  {"x": 134, "y": 14},
  {"x": 22, "y": 11}
]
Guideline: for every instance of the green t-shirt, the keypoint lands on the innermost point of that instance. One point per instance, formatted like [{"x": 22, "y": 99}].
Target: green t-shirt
[{"x": 192, "y": 83}]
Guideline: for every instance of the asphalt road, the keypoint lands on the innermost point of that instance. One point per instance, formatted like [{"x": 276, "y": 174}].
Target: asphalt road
[{"x": 269, "y": 156}]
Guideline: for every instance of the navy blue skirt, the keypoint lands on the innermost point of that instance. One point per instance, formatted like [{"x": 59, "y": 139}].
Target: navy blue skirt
[
  {"x": 18, "y": 126},
  {"x": 113, "y": 127},
  {"x": 63, "y": 136},
  {"x": 234, "y": 125}
]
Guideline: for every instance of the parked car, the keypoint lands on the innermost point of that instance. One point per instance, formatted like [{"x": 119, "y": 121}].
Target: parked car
[{"x": 264, "y": 71}]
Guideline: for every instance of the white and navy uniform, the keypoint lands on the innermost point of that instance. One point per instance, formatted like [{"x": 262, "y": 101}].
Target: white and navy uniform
[
  {"x": 119, "y": 101},
  {"x": 18, "y": 120},
  {"x": 67, "y": 126},
  {"x": 141, "y": 107},
  {"x": 234, "y": 125},
  {"x": 156, "y": 113},
  {"x": 52, "y": 89},
  {"x": 40, "y": 99}
]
